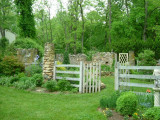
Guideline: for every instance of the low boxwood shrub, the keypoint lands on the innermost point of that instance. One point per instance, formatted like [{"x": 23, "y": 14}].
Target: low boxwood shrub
[
  {"x": 64, "y": 85},
  {"x": 152, "y": 114},
  {"x": 11, "y": 66},
  {"x": 51, "y": 85},
  {"x": 127, "y": 103},
  {"x": 109, "y": 102},
  {"x": 37, "y": 79},
  {"x": 33, "y": 69}
]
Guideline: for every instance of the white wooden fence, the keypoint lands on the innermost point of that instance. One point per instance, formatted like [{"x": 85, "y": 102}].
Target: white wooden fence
[
  {"x": 126, "y": 74},
  {"x": 89, "y": 80},
  {"x": 123, "y": 76}
]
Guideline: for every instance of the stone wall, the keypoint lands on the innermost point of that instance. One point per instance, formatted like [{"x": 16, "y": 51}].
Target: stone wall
[
  {"x": 48, "y": 61},
  {"x": 27, "y": 56},
  {"x": 59, "y": 57},
  {"x": 106, "y": 58},
  {"x": 131, "y": 58},
  {"x": 75, "y": 59}
]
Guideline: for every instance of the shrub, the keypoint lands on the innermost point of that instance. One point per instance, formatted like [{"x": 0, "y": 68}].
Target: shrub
[
  {"x": 28, "y": 43},
  {"x": 37, "y": 79},
  {"x": 110, "y": 102},
  {"x": 152, "y": 114},
  {"x": 51, "y": 85},
  {"x": 64, "y": 85},
  {"x": 6, "y": 81},
  {"x": 147, "y": 58},
  {"x": 33, "y": 69},
  {"x": 66, "y": 58},
  {"x": 107, "y": 112},
  {"x": 127, "y": 103},
  {"x": 11, "y": 65},
  {"x": 24, "y": 83}
]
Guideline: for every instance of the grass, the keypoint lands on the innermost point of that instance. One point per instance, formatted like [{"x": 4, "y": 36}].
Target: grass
[{"x": 24, "y": 105}]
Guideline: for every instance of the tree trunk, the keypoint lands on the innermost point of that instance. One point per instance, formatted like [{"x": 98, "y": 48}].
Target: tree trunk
[
  {"x": 50, "y": 24},
  {"x": 82, "y": 23},
  {"x": 46, "y": 28},
  {"x": 145, "y": 20},
  {"x": 110, "y": 19},
  {"x": 126, "y": 4},
  {"x": 75, "y": 29}
]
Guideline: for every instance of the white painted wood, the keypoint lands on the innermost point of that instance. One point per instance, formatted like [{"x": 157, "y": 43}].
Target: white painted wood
[
  {"x": 74, "y": 85},
  {"x": 139, "y": 76},
  {"x": 137, "y": 84},
  {"x": 96, "y": 77},
  {"x": 99, "y": 87},
  {"x": 54, "y": 72},
  {"x": 90, "y": 78},
  {"x": 117, "y": 77},
  {"x": 93, "y": 77},
  {"x": 81, "y": 77},
  {"x": 68, "y": 72},
  {"x": 84, "y": 78},
  {"x": 87, "y": 79},
  {"x": 139, "y": 67},
  {"x": 67, "y": 78},
  {"x": 63, "y": 65}
]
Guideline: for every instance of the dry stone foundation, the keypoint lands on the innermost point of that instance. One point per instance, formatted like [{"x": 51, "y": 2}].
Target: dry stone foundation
[
  {"x": 106, "y": 58},
  {"x": 48, "y": 61},
  {"x": 75, "y": 59}
]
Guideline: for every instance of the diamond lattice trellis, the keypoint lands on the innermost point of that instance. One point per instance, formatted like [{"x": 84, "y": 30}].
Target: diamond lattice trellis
[{"x": 123, "y": 58}]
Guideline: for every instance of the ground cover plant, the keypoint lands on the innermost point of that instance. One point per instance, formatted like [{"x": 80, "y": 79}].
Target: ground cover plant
[{"x": 20, "y": 104}]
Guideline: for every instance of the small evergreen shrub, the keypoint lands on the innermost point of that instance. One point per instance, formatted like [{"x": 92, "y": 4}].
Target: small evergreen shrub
[
  {"x": 147, "y": 58},
  {"x": 11, "y": 66},
  {"x": 152, "y": 114},
  {"x": 110, "y": 102},
  {"x": 51, "y": 85},
  {"x": 64, "y": 85},
  {"x": 37, "y": 79},
  {"x": 66, "y": 58},
  {"x": 33, "y": 69},
  {"x": 127, "y": 103}
]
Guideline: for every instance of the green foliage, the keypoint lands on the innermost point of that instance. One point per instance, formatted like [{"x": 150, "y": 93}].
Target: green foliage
[
  {"x": 6, "y": 81},
  {"x": 152, "y": 114},
  {"x": 11, "y": 65},
  {"x": 146, "y": 101},
  {"x": 127, "y": 103},
  {"x": 110, "y": 102},
  {"x": 4, "y": 42},
  {"x": 25, "y": 18},
  {"x": 108, "y": 112},
  {"x": 51, "y": 85},
  {"x": 147, "y": 58},
  {"x": 33, "y": 69},
  {"x": 66, "y": 58},
  {"x": 28, "y": 43},
  {"x": 64, "y": 85},
  {"x": 37, "y": 79},
  {"x": 107, "y": 68}
]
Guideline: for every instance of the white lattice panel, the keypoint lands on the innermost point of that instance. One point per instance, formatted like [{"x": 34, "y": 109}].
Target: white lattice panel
[{"x": 123, "y": 58}]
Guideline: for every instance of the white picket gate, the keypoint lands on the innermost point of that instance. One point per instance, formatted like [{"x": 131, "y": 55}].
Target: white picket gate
[{"x": 89, "y": 79}]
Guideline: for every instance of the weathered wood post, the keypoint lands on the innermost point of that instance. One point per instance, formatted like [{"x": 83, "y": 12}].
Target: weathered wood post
[
  {"x": 81, "y": 77},
  {"x": 156, "y": 93},
  {"x": 48, "y": 61},
  {"x": 117, "y": 76}
]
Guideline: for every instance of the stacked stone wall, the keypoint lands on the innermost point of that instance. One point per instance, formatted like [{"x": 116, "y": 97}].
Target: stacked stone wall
[{"x": 48, "y": 61}]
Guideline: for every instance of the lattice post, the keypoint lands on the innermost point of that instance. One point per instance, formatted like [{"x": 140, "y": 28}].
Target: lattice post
[{"x": 156, "y": 97}]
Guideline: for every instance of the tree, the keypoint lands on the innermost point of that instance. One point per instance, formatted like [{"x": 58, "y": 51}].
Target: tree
[{"x": 26, "y": 21}]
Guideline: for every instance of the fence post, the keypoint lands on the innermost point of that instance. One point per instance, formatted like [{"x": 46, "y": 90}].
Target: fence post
[
  {"x": 117, "y": 76},
  {"x": 54, "y": 72},
  {"x": 156, "y": 97},
  {"x": 81, "y": 77}
]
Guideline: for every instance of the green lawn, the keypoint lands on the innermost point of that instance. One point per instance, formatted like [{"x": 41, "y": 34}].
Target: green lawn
[{"x": 23, "y": 105}]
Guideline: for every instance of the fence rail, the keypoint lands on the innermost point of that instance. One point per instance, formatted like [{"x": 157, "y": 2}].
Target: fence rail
[
  {"x": 89, "y": 76},
  {"x": 122, "y": 72}
]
